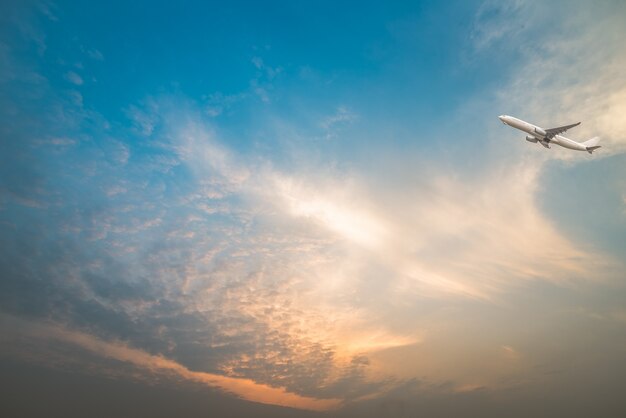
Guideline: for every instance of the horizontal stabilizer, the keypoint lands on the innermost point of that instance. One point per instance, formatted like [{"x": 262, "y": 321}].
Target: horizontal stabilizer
[{"x": 592, "y": 149}]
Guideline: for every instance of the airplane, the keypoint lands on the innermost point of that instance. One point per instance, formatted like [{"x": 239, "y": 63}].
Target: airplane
[{"x": 550, "y": 136}]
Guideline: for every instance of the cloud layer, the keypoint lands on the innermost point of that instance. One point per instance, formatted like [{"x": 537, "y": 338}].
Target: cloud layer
[{"x": 294, "y": 260}]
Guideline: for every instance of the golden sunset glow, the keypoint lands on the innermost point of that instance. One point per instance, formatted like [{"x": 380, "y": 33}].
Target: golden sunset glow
[{"x": 313, "y": 209}]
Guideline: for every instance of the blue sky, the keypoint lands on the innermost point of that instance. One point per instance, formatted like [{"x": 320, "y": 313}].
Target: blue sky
[{"x": 310, "y": 207}]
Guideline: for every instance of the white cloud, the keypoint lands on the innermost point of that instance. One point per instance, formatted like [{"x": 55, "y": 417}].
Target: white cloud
[
  {"x": 95, "y": 54},
  {"x": 32, "y": 33},
  {"x": 121, "y": 152},
  {"x": 261, "y": 84},
  {"x": 48, "y": 9},
  {"x": 269, "y": 72},
  {"x": 342, "y": 116},
  {"x": 76, "y": 98},
  {"x": 73, "y": 78},
  {"x": 218, "y": 102},
  {"x": 334, "y": 209},
  {"x": 144, "y": 119},
  {"x": 196, "y": 146},
  {"x": 261, "y": 92},
  {"x": 497, "y": 21},
  {"x": 258, "y": 62},
  {"x": 58, "y": 141},
  {"x": 115, "y": 190}
]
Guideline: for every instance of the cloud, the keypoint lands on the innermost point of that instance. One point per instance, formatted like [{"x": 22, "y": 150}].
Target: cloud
[
  {"x": 58, "y": 141},
  {"x": 496, "y": 21},
  {"x": 262, "y": 83},
  {"x": 217, "y": 103},
  {"x": 342, "y": 115},
  {"x": 269, "y": 72},
  {"x": 230, "y": 268},
  {"x": 258, "y": 62},
  {"x": 31, "y": 32},
  {"x": 48, "y": 9},
  {"x": 450, "y": 237},
  {"x": 206, "y": 269},
  {"x": 510, "y": 353},
  {"x": 307, "y": 243},
  {"x": 261, "y": 92},
  {"x": 144, "y": 121},
  {"x": 95, "y": 54},
  {"x": 331, "y": 210},
  {"x": 73, "y": 78},
  {"x": 42, "y": 333},
  {"x": 296, "y": 278}
]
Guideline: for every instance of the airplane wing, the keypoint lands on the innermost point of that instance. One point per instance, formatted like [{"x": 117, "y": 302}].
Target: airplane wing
[{"x": 552, "y": 132}]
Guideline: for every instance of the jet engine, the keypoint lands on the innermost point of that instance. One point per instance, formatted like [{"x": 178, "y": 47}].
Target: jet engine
[
  {"x": 531, "y": 138},
  {"x": 540, "y": 132}
]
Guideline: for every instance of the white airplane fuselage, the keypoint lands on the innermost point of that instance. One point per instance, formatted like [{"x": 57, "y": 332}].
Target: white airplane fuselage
[{"x": 537, "y": 134}]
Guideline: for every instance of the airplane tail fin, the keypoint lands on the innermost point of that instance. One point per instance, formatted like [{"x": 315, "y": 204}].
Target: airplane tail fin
[{"x": 592, "y": 144}]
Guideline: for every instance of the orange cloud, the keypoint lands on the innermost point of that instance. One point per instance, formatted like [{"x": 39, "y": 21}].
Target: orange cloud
[{"x": 244, "y": 388}]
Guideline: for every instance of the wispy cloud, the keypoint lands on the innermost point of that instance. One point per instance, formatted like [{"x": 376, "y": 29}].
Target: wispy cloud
[
  {"x": 342, "y": 116},
  {"x": 74, "y": 78},
  {"x": 496, "y": 21},
  {"x": 452, "y": 237},
  {"x": 262, "y": 83},
  {"x": 95, "y": 54},
  {"x": 270, "y": 72},
  {"x": 144, "y": 121},
  {"x": 218, "y": 102},
  {"x": 49, "y": 9},
  {"x": 290, "y": 276},
  {"x": 286, "y": 277},
  {"x": 42, "y": 333}
]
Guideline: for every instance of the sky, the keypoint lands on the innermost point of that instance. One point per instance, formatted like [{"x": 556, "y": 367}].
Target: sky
[{"x": 311, "y": 209}]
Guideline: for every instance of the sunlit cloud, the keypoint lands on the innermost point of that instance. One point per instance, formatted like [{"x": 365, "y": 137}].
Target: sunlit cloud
[
  {"x": 454, "y": 237},
  {"x": 42, "y": 333},
  {"x": 333, "y": 212},
  {"x": 216, "y": 240},
  {"x": 510, "y": 353}
]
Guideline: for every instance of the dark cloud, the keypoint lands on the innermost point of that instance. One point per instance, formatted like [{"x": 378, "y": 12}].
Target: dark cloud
[{"x": 106, "y": 396}]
